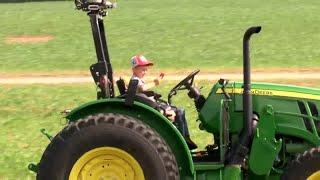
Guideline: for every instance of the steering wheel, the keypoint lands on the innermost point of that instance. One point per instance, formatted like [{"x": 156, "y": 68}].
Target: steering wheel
[{"x": 186, "y": 83}]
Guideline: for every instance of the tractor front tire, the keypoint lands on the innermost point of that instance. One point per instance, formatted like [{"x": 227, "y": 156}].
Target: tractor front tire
[
  {"x": 108, "y": 146},
  {"x": 305, "y": 166}
]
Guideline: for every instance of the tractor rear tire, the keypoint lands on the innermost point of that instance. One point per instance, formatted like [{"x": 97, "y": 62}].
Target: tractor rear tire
[
  {"x": 305, "y": 166},
  {"x": 68, "y": 151}
]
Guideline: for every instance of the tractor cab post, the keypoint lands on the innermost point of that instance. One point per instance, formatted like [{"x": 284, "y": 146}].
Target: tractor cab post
[{"x": 102, "y": 70}]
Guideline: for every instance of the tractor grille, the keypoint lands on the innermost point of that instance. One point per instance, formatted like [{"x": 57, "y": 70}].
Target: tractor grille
[
  {"x": 314, "y": 113},
  {"x": 303, "y": 111}
]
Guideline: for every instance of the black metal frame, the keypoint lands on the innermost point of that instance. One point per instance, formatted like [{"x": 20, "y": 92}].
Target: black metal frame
[{"x": 103, "y": 67}]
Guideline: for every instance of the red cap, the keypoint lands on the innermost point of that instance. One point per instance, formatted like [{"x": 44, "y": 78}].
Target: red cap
[{"x": 140, "y": 60}]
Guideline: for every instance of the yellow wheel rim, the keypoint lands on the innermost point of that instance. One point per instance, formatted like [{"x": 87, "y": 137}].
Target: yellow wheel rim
[
  {"x": 314, "y": 176},
  {"x": 106, "y": 163}
]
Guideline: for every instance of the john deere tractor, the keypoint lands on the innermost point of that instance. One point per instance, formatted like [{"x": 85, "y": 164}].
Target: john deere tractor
[{"x": 260, "y": 130}]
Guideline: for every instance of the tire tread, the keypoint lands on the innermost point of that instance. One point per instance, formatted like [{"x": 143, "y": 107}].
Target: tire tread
[{"x": 115, "y": 119}]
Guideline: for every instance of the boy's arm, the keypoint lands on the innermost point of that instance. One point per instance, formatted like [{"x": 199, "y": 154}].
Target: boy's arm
[{"x": 148, "y": 86}]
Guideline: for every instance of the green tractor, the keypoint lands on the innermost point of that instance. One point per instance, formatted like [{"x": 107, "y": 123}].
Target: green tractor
[{"x": 260, "y": 130}]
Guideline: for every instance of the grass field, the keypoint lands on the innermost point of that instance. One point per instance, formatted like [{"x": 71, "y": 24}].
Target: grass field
[
  {"x": 178, "y": 35},
  {"x": 205, "y": 34},
  {"x": 24, "y": 111}
]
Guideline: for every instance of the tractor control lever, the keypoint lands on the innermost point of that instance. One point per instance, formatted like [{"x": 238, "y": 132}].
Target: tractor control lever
[{"x": 224, "y": 83}]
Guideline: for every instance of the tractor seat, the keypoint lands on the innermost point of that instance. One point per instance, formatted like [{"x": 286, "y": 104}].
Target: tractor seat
[
  {"x": 145, "y": 98},
  {"x": 121, "y": 86},
  {"x": 123, "y": 90}
]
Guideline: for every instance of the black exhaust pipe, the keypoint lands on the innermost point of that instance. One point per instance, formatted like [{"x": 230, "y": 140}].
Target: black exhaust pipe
[
  {"x": 247, "y": 97},
  {"x": 242, "y": 149}
]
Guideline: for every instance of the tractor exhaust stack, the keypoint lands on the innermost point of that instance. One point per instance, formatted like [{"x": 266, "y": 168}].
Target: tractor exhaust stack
[
  {"x": 242, "y": 149},
  {"x": 247, "y": 97}
]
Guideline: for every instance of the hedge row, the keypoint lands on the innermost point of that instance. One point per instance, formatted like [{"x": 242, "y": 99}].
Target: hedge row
[{"x": 18, "y": 1}]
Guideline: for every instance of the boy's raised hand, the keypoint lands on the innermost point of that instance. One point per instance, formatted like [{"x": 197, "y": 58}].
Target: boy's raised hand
[
  {"x": 157, "y": 80},
  {"x": 161, "y": 75}
]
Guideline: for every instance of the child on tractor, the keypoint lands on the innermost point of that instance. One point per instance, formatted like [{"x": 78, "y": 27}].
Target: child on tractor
[{"x": 140, "y": 67}]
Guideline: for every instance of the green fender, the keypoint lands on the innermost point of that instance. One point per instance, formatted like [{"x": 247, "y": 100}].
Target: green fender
[{"x": 149, "y": 116}]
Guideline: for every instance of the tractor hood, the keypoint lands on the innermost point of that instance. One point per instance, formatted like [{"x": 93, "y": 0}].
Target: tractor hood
[{"x": 283, "y": 98}]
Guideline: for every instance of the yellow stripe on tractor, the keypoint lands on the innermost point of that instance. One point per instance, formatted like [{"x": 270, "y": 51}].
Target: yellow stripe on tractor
[{"x": 265, "y": 92}]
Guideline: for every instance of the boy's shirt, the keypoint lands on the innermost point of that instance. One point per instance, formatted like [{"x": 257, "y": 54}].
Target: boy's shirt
[{"x": 141, "y": 83}]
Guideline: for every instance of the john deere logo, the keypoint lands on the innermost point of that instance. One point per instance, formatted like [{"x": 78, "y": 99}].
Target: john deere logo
[{"x": 261, "y": 92}]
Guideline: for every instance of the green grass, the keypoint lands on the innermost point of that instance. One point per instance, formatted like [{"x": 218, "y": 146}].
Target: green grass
[
  {"x": 175, "y": 34},
  {"x": 25, "y": 110}
]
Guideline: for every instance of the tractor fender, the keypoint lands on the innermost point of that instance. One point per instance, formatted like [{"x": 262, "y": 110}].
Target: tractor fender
[{"x": 149, "y": 116}]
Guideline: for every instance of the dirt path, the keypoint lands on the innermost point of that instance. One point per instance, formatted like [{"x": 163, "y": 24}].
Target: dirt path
[
  {"x": 256, "y": 76},
  {"x": 28, "y": 39}
]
